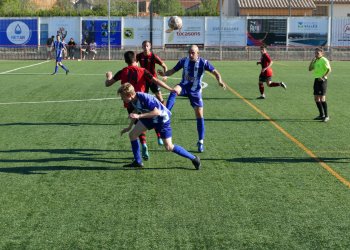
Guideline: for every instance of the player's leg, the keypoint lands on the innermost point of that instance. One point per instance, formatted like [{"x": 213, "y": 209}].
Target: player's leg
[
  {"x": 200, "y": 128},
  {"x": 172, "y": 97},
  {"x": 156, "y": 91},
  {"x": 56, "y": 67},
  {"x": 142, "y": 137},
  {"x": 261, "y": 87},
  {"x": 270, "y": 83},
  {"x": 135, "y": 147},
  {"x": 318, "y": 91},
  {"x": 64, "y": 67},
  {"x": 166, "y": 133}
]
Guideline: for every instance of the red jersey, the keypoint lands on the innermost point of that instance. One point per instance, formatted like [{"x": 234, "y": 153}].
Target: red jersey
[
  {"x": 265, "y": 60},
  {"x": 134, "y": 75},
  {"x": 149, "y": 62}
]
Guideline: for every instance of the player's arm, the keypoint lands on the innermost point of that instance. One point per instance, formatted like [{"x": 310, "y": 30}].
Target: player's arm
[
  {"x": 312, "y": 64},
  {"x": 268, "y": 66},
  {"x": 219, "y": 79},
  {"x": 166, "y": 73},
  {"x": 124, "y": 130},
  {"x": 162, "y": 84},
  {"x": 155, "y": 112},
  {"x": 109, "y": 79}
]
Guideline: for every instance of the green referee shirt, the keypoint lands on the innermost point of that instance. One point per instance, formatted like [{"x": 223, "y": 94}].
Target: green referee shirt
[{"x": 321, "y": 66}]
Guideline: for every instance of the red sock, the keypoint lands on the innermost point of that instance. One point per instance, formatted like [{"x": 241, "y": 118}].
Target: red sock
[
  {"x": 274, "y": 84},
  {"x": 142, "y": 138},
  {"x": 261, "y": 88}
]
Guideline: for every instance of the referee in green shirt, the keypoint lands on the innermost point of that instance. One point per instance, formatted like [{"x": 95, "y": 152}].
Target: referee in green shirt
[{"x": 321, "y": 68}]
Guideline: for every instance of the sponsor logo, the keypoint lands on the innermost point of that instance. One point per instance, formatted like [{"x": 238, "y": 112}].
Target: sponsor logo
[
  {"x": 18, "y": 33},
  {"x": 347, "y": 29}
]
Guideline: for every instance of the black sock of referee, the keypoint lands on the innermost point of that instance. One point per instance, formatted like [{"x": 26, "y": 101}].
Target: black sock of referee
[
  {"x": 320, "y": 108},
  {"x": 325, "y": 108}
]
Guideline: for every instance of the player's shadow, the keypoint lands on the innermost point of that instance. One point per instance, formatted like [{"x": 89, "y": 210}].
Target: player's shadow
[
  {"x": 286, "y": 160},
  {"x": 60, "y": 158},
  {"x": 57, "y": 124}
]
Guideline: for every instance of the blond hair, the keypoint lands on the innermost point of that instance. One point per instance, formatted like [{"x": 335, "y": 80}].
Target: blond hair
[{"x": 126, "y": 89}]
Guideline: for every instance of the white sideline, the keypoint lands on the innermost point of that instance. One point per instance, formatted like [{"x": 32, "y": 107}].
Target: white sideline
[{"x": 32, "y": 65}]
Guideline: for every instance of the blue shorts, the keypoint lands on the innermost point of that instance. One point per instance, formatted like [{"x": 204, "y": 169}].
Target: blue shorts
[
  {"x": 58, "y": 59},
  {"x": 163, "y": 128},
  {"x": 195, "y": 97}
]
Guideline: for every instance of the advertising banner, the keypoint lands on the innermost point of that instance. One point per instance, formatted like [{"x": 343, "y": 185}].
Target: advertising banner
[
  {"x": 341, "y": 32},
  {"x": 271, "y": 32},
  {"x": 18, "y": 32},
  {"x": 233, "y": 31},
  {"x": 97, "y": 30},
  {"x": 65, "y": 27},
  {"x": 308, "y": 31},
  {"x": 136, "y": 30},
  {"x": 192, "y": 32}
]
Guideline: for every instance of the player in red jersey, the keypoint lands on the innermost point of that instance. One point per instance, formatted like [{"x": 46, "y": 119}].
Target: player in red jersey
[
  {"x": 138, "y": 77},
  {"x": 148, "y": 60},
  {"x": 266, "y": 72}
]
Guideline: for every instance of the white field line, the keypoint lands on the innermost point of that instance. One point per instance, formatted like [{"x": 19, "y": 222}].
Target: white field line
[
  {"x": 32, "y": 65},
  {"x": 204, "y": 85}
]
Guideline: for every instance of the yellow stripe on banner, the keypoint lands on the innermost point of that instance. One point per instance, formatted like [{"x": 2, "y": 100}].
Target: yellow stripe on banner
[{"x": 293, "y": 139}]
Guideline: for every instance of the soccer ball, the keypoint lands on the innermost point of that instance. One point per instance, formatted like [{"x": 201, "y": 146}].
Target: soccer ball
[{"x": 175, "y": 23}]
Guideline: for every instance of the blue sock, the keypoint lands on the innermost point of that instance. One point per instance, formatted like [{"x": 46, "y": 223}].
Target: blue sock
[
  {"x": 136, "y": 151},
  {"x": 183, "y": 152},
  {"x": 56, "y": 68},
  {"x": 200, "y": 128},
  {"x": 64, "y": 67},
  {"x": 171, "y": 100}
]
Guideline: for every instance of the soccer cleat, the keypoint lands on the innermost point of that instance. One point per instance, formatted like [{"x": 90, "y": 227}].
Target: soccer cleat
[
  {"x": 160, "y": 141},
  {"x": 145, "y": 154},
  {"x": 197, "y": 163},
  {"x": 134, "y": 164},
  {"x": 67, "y": 72},
  {"x": 326, "y": 119},
  {"x": 320, "y": 117},
  {"x": 54, "y": 73},
  {"x": 283, "y": 85},
  {"x": 200, "y": 147},
  {"x": 261, "y": 97}
]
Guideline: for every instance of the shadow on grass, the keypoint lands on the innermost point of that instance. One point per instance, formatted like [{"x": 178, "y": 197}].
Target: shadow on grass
[
  {"x": 251, "y": 120},
  {"x": 287, "y": 160},
  {"x": 57, "y": 124},
  {"x": 72, "y": 155}
]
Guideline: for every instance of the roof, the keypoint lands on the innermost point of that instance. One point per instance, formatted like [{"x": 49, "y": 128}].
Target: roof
[
  {"x": 187, "y": 4},
  {"x": 330, "y": 1},
  {"x": 276, "y": 4}
]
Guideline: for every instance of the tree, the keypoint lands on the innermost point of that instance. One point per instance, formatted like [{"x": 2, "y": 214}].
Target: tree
[{"x": 167, "y": 8}]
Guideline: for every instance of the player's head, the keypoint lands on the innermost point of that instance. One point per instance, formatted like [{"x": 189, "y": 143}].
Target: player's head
[
  {"x": 193, "y": 52},
  {"x": 129, "y": 57},
  {"x": 126, "y": 92},
  {"x": 318, "y": 52},
  {"x": 58, "y": 38},
  {"x": 146, "y": 46},
  {"x": 263, "y": 49}
]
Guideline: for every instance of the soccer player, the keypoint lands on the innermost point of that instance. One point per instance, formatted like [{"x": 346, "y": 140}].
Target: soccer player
[
  {"x": 138, "y": 77},
  {"x": 321, "y": 67},
  {"x": 59, "y": 47},
  {"x": 266, "y": 72},
  {"x": 148, "y": 60},
  {"x": 149, "y": 113},
  {"x": 191, "y": 86}
]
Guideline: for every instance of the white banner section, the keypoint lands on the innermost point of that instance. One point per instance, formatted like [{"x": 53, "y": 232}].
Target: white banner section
[
  {"x": 341, "y": 32},
  {"x": 233, "y": 31},
  {"x": 136, "y": 30},
  {"x": 67, "y": 27},
  {"x": 307, "y": 31},
  {"x": 192, "y": 32}
]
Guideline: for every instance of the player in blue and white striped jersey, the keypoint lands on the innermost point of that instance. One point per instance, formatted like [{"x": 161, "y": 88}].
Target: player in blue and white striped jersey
[
  {"x": 191, "y": 86},
  {"x": 150, "y": 113},
  {"x": 59, "y": 48}
]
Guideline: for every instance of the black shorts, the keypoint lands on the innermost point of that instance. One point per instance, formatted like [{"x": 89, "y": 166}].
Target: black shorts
[
  {"x": 264, "y": 78},
  {"x": 320, "y": 87},
  {"x": 154, "y": 87}
]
